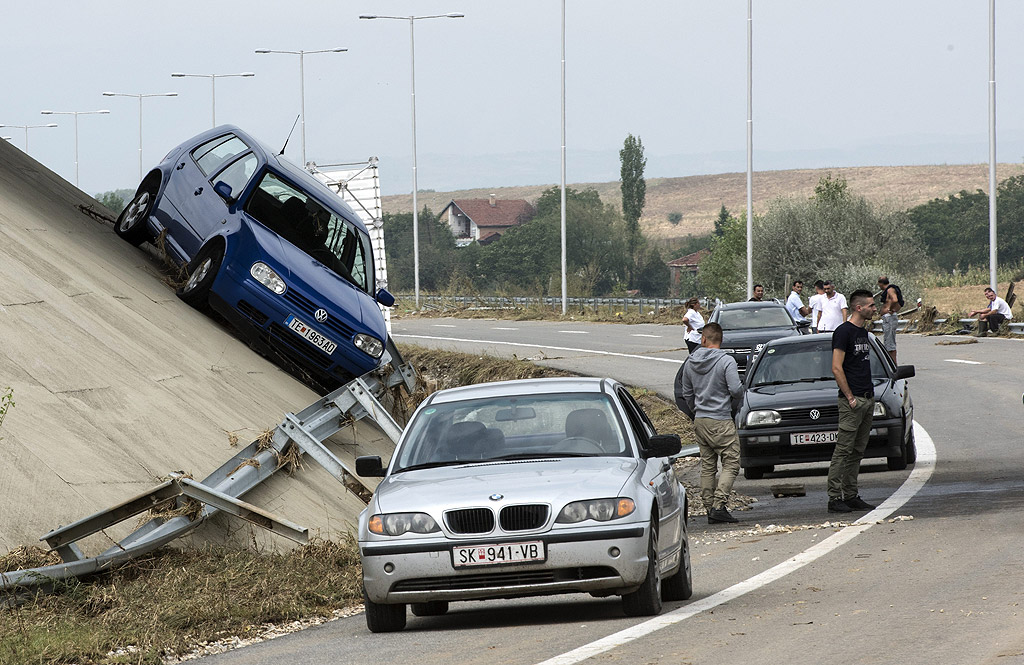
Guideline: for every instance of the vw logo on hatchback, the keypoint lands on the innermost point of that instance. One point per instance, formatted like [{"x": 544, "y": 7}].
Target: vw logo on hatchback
[
  {"x": 320, "y": 315},
  {"x": 815, "y": 414}
]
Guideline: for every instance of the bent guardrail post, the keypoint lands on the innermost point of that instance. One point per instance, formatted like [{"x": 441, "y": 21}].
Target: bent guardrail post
[{"x": 221, "y": 489}]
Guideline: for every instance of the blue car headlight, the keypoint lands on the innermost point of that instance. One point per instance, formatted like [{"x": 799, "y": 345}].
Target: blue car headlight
[
  {"x": 266, "y": 276},
  {"x": 369, "y": 345}
]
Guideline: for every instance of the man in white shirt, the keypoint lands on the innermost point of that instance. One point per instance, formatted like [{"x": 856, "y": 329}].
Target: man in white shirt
[
  {"x": 814, "y": 302},
  {"x": 833, "y": 309},
  {"x": 992, "y": 316},
  {"x": 795, "y": 305}
]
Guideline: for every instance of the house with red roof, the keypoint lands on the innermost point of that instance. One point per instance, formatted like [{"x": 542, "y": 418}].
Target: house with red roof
[
  {"x": 484, "y": 220},
  {"x": 689, "y": 265}
]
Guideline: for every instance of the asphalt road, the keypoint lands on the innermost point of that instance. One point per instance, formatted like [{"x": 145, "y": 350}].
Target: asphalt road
[{"x": 939, "y": 580}]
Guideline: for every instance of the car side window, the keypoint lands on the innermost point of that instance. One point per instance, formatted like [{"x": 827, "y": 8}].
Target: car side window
[
  {"x": 212, "y": 155},
  {"x": 638, "y": 420},
  {"x": 237, "y": 174}
]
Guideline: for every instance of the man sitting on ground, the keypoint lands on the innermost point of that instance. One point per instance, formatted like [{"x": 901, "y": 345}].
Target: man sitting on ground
[{"x": 992, "y": 316}]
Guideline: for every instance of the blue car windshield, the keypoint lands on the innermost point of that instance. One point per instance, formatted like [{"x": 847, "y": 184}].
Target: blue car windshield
[
  {"x": 509, "y": 428},
  {"x": 806, "y": 362},
  {"x": 306, "y": 223}
]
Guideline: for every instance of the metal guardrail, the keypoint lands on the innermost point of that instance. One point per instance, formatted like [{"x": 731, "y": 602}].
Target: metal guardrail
[
  {"x": 222, "y": 488},
  {"x": 904, "y": 325},
  {"x": 611, "y": 305}
]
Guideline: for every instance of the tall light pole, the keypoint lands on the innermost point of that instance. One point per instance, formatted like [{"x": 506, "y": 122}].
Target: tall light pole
[
  {"x": 302, "y": 85},
  {"x": 992, "y": 259},
  {"x": 26, "y": 128},
  {"x": 750, "y": 148},
  {"x": 140, "y": 97},
  {"x": 76, "y": 114},
  {"x": 565, "y": 289},
  {"x": 415, "y": 185},
  {"x": 213, "y": 87}
]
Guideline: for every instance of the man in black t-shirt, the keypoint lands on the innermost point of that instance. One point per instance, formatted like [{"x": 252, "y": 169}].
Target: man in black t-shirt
[{"x": 851, "y": 365}]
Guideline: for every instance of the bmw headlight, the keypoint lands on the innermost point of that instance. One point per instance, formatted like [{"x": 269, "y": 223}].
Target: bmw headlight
[
  {"x": 879, "y": 411},
  {"x": 601, "y": 510},
  {"x": 266, "y": 276},
  {"x": 397, "y": 524},
  {"x": 762, "y": 418},
  {"x": 369, "y": 345}
]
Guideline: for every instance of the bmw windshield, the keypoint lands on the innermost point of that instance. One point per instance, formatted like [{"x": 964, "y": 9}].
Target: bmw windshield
[{"x": 505, "y": 428}]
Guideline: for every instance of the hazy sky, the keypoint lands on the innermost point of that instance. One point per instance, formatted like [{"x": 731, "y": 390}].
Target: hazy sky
[{"x": 871, "y": 82}]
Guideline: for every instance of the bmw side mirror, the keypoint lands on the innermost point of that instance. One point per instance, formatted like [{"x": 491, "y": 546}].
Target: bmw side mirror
[
  {"x": 664, "y": 445},
  {"x": 369, "y": 466},
  {"x": 904, "y": 372},
  {"x": 223, "y": 190},
  {"x": 385, "y": 298}
]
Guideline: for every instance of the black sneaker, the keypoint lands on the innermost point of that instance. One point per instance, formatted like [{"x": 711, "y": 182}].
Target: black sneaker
[
  {"x": 721, "y": 516},
  {"x": 858, "y": 503},
  {"x": 838, "y": 506}
]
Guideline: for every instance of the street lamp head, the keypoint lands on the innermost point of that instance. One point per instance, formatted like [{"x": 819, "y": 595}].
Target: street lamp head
[
  {"x": 338, "y": 50},
  {"x": 110, "y": 94},
  {"x": 177, "y": 75},
  {"x": 454, "y": 15},
  {"x": 46, "y": 112},
  {"x": 247, "y": 74},
  {"x": 263, "y": 50},
  {"x": 52, "y": 124},
  {"x": 368, "y": 16}
]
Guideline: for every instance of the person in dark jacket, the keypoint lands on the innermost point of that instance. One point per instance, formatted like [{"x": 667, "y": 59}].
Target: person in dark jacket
[{"x": 711, "y": 391}]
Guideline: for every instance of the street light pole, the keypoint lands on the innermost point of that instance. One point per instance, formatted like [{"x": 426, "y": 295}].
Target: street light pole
[
  {"x": 140, "y": 97},
  {"x": 76, "y": 114},
  {"x": 26, "y": 128},
  {"x": 750, "y": 149},
  {"x": 992, "y": 187},
  {"x": 302, "y": 85},
  {"x": 415, "y": 184},
  {"x": 565, "y": 289},
  {"x": 213, "y": 88}
]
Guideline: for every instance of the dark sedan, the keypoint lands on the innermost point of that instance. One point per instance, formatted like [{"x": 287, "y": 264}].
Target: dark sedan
[
  {"x": 790, "y": 411},
  {"x": 747, "y": 326}
]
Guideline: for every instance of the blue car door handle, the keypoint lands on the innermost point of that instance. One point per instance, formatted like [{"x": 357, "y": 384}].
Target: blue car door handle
[{"x": 198, "y": 191}]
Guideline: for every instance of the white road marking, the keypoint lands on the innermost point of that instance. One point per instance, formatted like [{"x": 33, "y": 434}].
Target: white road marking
[
  {"x": 443, "y": 325},
  {"x": 541, "y": 346},
  {"x": 965, "y": 362},
  {"x": 643, "y": 335},
  {"x": 504, "y": 328},
  {"x": 912, "y": 485},
  {"x": 574, "y": 332}
]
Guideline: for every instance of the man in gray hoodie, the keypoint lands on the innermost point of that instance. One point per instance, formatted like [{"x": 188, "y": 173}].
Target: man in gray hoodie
[{"x": 711, "y": 392}]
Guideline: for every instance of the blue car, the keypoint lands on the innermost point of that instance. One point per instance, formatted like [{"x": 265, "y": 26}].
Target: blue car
[{"x": 269, "y": 247}]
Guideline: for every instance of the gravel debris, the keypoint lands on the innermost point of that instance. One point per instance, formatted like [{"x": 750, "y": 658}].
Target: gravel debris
[{"x": 262, "y": 633}]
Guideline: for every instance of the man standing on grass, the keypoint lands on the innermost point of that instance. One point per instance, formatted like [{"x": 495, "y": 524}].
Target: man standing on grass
[
  {"x": 710, "y": 392},
  {"x": 851, "y": 366}
]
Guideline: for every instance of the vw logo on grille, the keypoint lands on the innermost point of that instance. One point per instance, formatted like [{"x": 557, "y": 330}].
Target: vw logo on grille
[
  {"x": 320, "y": 315},
  {"x": 496, "y": 497},
  {"x": 815, "y": 414}
]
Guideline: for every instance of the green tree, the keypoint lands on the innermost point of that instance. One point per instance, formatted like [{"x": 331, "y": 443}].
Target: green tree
[
  {"x": 112, "y": 201},
  {"x": 437, "y": 251},
  {"x": 634, "y": 194},
  {"x": 721, "y": 221},
  {"x": 723, "y": 272}
]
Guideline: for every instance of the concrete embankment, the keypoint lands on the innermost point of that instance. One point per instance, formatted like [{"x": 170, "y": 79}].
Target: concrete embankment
[{"x": 116, "y": 382}]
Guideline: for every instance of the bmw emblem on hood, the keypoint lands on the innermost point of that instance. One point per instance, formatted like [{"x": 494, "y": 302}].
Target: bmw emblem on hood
[
  {"x": 320, "y": 315},
  {"x": 496, "y": 497},
  {"x": 815, "y": 414}
]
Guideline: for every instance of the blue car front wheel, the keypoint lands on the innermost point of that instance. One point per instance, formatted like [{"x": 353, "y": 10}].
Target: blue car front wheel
[
  {"x": 201, "y": 270},
  {"x": 131, "y": 223}
]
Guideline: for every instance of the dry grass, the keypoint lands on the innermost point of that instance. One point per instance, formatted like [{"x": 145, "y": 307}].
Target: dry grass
[
  {"x": 699, "y": 198},
  {"x": 666, "y": 315},
  {"x": 168, "y": 601},
  {"x": 957, "y": 301}
]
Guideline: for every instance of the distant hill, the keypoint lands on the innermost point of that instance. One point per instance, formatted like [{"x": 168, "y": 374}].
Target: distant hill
[{"x": 699, "y": 198}]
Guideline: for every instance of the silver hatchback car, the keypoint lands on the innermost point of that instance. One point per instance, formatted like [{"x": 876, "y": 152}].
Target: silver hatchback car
[{"x": 524, "y": 488}]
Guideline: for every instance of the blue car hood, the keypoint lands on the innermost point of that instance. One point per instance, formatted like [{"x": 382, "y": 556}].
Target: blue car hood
[{"x": 353, "y": 306}]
